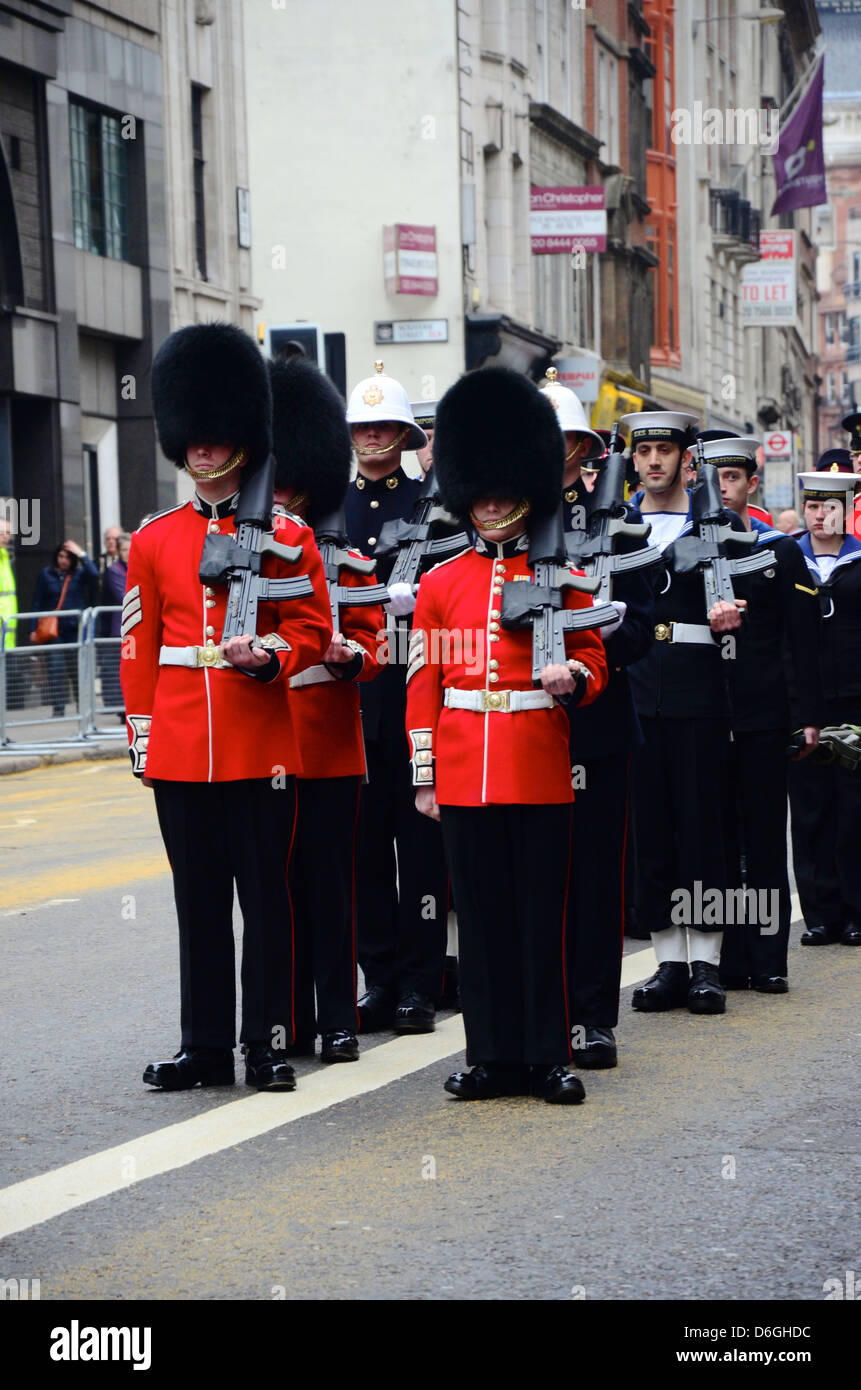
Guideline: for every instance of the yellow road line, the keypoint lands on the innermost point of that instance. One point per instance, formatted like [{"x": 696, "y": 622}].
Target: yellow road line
[{"x": 78, "y": 879}]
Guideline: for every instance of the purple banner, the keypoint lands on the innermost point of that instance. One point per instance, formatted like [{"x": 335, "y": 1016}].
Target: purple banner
[{"x": 799, "y": 164}]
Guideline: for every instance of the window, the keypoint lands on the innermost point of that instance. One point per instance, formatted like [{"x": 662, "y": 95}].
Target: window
[
  {"x": 607, "y": 105},
  {"x": 199, "y": 166},
  {"x": 99, "y": 182},
  {"x": 845, "y": 389},
  {"x": 829, "y": 388},
  {"x": 661, "y": 185},
  {"x": 829, "y": 329}
]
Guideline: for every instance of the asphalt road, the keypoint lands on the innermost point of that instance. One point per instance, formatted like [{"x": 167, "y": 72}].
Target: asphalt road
[{"x": 720, "y": 1160}]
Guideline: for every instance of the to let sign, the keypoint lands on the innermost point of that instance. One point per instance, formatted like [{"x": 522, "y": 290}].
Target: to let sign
[
  {"x": 768, "y": 285},
  {"x": 567, "y": 219},
  {"x": 409, "y": 259}
]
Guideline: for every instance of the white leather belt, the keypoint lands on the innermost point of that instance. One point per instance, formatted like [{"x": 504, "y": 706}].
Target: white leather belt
[
  {"x": 498, "y": 701},
  {"x": 313, "y": 676},
  {"x": 208, "y": 656},
  {"x": 699, "y": 633}
]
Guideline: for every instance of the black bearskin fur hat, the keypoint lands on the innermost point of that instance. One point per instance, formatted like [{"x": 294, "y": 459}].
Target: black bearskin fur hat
[
  {"x": 497, "y": 436},
  {"x": 311, "y": 437},
  {"x": 210, "y": 385}
]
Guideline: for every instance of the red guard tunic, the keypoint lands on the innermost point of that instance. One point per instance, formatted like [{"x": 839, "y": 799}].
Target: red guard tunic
[
  {"x": 459, "y": 643},
  {"x": 325, "y": 707},
  {"x": 211, "y": 723}
]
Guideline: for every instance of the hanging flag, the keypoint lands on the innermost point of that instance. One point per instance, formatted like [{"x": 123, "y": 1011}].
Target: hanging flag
[{"x": 799, "y": 163}]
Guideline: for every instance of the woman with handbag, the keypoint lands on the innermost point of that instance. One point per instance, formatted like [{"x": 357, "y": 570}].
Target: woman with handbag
[{"x": 62, "y": 585}]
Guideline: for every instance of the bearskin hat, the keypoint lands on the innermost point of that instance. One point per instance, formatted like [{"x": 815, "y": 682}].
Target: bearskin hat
[
  {"x": 497, "y": 436},
  {"x": 311, "y": 437},
  {"x": 210, "y": 385}
]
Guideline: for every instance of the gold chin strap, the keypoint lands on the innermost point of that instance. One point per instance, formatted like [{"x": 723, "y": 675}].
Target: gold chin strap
[
  {"x": 372, "y": 451},
  {"x": 236, "y": 458},
  {"x": 297, "y": 500},
  {"x": 522, "y": 509}
]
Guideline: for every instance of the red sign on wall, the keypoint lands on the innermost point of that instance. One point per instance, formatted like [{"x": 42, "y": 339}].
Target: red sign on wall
[
  {"x": 409, "y": 259},
  {"x": 567, "y": 219}
]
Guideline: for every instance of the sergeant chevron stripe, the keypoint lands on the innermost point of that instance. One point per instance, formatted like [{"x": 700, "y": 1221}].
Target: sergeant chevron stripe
[{"x": 132, "y": 611}]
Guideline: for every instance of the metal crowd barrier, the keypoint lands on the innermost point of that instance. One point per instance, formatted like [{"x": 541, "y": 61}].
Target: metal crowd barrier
[{"x": 39, "y": 682}]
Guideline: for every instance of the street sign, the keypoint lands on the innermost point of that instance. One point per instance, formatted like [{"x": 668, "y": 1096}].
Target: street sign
[
  {"x": 779, "y": 486},
  {"x": 778, "y": 446},
  {"x": 411, "y": 331}
]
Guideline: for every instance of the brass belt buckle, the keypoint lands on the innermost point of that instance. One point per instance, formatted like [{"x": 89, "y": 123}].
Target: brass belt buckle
[
  {"x": 208, "y": 655},
  {"x": 663, "y": 632},
  {"x": 498, "y": 700}
]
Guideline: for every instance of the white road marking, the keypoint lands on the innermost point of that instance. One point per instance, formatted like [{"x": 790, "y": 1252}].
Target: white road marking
[
  {"x": 39, "y": 1199},
  {"x": 34, "y": 907}
]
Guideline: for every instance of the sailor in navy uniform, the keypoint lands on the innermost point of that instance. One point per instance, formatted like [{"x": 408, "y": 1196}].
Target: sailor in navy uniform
[
  {"x": 401, "y": 905},
  {"x": 825, "y": 798},
  {"x": 680, "y": 782},
  {"x": 603, "y": 737},
  {"x": 778, "y": 655}
]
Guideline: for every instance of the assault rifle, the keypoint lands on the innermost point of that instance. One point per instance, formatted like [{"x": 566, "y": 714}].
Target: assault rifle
[
  {"x": 839, "y": 743},
  {"x": 331, "y": 537},
  {"x": 595, "y": 548},
  {"x": 706, "y": 550},
  {"x": 540, "y": 604},
  {"x": 415, "y": 541},
  {"x": 237, "y": 560}
]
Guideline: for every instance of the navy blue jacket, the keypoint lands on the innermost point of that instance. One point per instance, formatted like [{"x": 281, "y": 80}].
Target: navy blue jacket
[{"x": 49, "y": 586}]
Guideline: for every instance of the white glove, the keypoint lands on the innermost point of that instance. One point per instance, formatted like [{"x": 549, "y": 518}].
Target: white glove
[
  {"x": 621, "y": 608},
  {"x": 402, "y": 600}
]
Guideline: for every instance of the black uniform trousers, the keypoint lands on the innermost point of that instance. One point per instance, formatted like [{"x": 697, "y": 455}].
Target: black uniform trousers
[
  {"x": 215, "y": 834},
  {"x": 756, "y": 837},
  {"x": 509, "y": 874},
  {"x": 681, "y": 800},
  {"x": 825, "y": 801},
  {"x": 322, "y": 886},
  {"x": 402, "y": 902},
  {"x": 596, "y": 892}
]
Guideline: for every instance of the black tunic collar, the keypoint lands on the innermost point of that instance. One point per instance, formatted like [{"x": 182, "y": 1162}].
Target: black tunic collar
[
  {"x": 502, "y": 550},
  {"x": 389, "y": 483},
  {"x": 216, "y": 511}
]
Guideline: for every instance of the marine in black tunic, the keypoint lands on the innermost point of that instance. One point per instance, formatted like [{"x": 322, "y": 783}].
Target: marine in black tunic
[{"x": 401, "y": 877}]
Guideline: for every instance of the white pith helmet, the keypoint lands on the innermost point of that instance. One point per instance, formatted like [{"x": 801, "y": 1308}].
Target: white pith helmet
[
  {"x": 379, "y": 398},
  {"x": 570, "y": 412}
]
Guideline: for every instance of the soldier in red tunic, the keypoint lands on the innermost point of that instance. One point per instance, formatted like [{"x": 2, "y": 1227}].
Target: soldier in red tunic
[
  {"x": 209, "y": 722},
  {"x": 313, "y": 451},
  {"x": 490, "y": 753}
]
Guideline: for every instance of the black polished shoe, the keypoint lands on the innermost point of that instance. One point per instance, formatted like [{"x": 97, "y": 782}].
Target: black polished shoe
[
  {"x": 771, "y": 984},
  {"x": 376, "y": 1010},
  {"x": 267, "y": 1068},
  {"x": 820, "y": 935},
  {"x": 487, "y": 1081},
  {"x": 193, "y": 1066},
  {"x": 667, "y": 989},
  {"x": 339, "y": 1047},
  {"x": 851, "y": 934},
  {"x": 557, "y": 1085},
  {"x": 598, "y": 1051},
  {"x": 706, "y": 994},
  {"x": 304, "y": 1046},
  {"x": 735, "y": 981},
  {"x": 415, "y": 1014}
]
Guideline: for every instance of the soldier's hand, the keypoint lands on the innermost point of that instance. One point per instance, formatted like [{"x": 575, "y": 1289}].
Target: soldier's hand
[
  {"x": 811, "y": 741},
  {"x": 402, "y": 600},
  {"x": 239, "y": 652},
  {"x": 558, "y": 680},
  {"x": 726, "y": 617},
  {"x": 337, "y": 651},
  {"x": 426, "y": 802}
]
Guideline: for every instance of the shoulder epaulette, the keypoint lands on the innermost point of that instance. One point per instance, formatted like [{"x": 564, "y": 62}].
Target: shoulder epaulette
[{"x": 157, "y": 516}]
